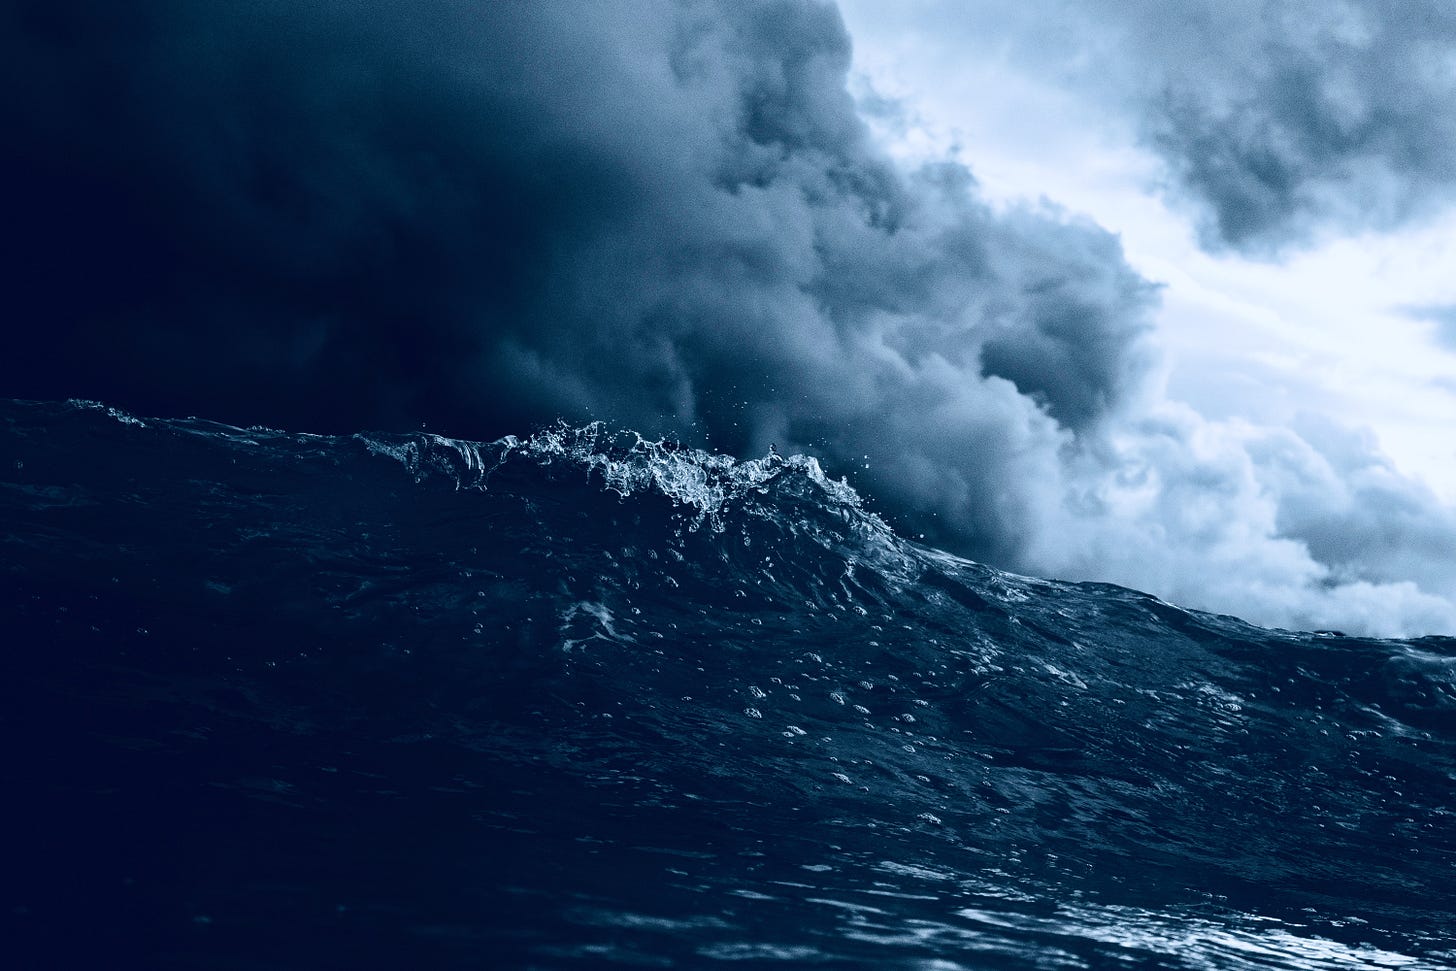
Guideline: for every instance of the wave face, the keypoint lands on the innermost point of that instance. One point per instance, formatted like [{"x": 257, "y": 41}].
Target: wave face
[{"x": 581, "y": 700}]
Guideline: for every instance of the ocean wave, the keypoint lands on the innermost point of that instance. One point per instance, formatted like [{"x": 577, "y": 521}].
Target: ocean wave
[{"x": 585, "y": 698}]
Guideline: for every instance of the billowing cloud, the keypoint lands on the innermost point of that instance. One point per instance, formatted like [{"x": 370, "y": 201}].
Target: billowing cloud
[
  {"x": 1279, "y": 120},
  {"x": 1304, "y": 527},
  {"x": 1284, "y": 117},
  {"x": 334, "y": 215}
]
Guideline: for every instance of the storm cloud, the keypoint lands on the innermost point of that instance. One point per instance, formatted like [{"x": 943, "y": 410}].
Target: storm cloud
[
  {"x": 1286, "y": 117},
  {"x": 486, "y": 215},
  {"x": 483, "y": 216},
  {"x": 1280, "y": 121}
]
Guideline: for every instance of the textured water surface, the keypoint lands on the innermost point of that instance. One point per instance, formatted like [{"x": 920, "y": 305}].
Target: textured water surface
[{"x": 287, "y": 701}]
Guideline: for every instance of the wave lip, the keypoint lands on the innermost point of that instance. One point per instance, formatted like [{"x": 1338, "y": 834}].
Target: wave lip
[{"x": 624, "y": 462}]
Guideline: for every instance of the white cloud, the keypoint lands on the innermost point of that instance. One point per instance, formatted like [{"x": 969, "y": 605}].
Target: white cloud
[{"x": 1208, "y": 493}]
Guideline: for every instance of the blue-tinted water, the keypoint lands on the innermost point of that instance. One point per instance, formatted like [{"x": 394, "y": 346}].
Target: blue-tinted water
[{"x": 288, "y": 701}]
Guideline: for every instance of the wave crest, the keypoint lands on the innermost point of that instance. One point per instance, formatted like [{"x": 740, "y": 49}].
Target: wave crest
[{"x": 625, "y": 463}]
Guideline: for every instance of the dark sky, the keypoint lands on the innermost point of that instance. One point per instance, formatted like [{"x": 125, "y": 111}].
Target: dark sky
[
  {"x": 331, "y": 215},
  {"x": 334, "y": 214},
  {"x": 480, "y": 216}
]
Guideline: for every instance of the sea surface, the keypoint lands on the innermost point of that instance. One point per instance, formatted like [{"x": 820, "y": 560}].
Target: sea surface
[{"x": 580, "y": 700}]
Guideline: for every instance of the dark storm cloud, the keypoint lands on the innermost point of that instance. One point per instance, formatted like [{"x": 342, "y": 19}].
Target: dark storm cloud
[
  {"x": 304, "y": 212},
  {"x": 484, "y": 215}
]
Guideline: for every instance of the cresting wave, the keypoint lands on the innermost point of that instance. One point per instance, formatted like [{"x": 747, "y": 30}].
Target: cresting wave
[
  {"x": 584, "y": 699},
  {"x": 625, "y": 463},
  {"x": 708, "y": 492}
]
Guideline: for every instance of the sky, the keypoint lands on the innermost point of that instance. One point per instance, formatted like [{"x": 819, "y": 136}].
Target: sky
[
  {"x": 1355, "y": 316},
  {"x": 1126, "y": 291}
]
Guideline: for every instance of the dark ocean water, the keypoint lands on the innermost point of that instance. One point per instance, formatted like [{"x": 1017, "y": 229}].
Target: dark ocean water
[{"x": 285, "y": 701}]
